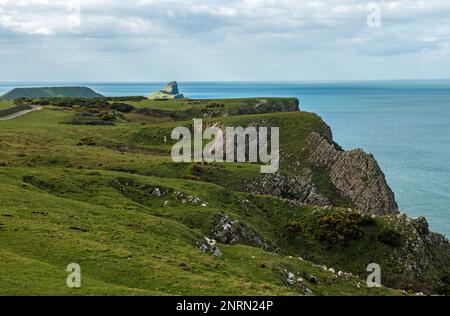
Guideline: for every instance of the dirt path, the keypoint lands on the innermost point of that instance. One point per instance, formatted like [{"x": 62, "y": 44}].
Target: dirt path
[{"x": 18, "y": 114}]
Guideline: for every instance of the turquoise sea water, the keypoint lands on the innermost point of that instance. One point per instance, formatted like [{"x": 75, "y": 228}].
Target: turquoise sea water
[{"x": 405, "y": 124}]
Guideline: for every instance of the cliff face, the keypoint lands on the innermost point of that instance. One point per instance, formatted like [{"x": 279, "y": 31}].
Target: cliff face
[
  {"x": 313, "y": 170},
  {"x": 355, "y": 174},
  {"x": 300, "y": 188},
  {"x": 318, "y": 172}
]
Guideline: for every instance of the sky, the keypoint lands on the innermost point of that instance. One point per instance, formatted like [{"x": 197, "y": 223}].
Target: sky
[{"x": 223, "y": 40}]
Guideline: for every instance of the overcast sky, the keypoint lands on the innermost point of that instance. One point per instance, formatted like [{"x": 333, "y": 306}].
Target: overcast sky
[{"x": 199, "y": 40}]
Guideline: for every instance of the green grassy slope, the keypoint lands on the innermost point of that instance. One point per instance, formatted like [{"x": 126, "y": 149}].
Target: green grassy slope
[
  {"x": 128, "y": 248},
  {"x": 63, "y": 201},
  {"x": 45, "y": 92},
  {"x": 4, "y": 104}
]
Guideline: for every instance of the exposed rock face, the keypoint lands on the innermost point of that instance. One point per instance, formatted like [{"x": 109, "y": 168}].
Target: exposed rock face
[
  {"x": 355, "y": 174},
  {"x": 169, "y": 92},
  {"x": 300, "y": 187},
  {"x": 171, "y": 88},
  {"x": 319, "y": 172},
  {"x": 211, "y": 246},
  {"x": 227, "y": 231},
  {"x": 416, "y": 253}
]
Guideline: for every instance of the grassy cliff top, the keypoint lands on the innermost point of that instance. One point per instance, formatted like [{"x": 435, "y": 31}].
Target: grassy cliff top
[{"x": 110, "y": 198}]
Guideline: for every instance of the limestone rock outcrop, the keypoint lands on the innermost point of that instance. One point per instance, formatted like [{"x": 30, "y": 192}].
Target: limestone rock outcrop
[
  {"x": 355, "y": 174},
  {"x": 169, "y": 92},
  {"x": 232, "y": 232},
  {"x": 352, "y": 176}
]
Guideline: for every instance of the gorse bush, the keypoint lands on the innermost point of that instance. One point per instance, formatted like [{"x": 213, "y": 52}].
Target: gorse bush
[{"x": 339, "y": 227}]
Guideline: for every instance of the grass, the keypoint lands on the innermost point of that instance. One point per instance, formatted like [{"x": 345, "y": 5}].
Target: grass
[
  {"x": 4, "y": 104},
  {"x": 124, "y": 247},
  {"x": 61, "y": 202}
]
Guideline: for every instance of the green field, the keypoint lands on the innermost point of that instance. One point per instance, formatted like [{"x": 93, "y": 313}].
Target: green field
[
  {"x": 5, "y": 104},
  {"x": 85, "y": 194}
]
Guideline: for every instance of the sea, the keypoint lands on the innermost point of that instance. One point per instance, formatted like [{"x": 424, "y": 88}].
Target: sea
[{"x": 404, "y": 124}]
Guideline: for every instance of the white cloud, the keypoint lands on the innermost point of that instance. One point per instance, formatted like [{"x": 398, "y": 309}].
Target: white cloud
[
  {"x": 193, "y": 16},
  {"x": 284, "y": 14},
  {"x": 249, "y": 30}
]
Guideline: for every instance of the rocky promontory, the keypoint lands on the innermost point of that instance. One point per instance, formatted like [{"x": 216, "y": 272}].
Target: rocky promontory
[
  {"x": 169, "y": 92},
  {"x": 317, "y": 171}
]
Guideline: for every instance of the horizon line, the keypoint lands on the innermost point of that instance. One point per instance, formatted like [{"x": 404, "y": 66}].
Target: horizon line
[{"x": 225, "y": 81}]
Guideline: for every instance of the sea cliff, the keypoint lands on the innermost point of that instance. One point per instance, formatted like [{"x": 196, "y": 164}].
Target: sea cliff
[{"x": 109, "y": 195}]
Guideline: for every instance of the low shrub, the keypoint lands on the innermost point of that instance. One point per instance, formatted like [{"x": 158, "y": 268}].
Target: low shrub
[
  {"x": 390, "y": 237},
  {"x": 86, "y": 141},
  {"x": 292, "y": 230},
  {"x": 340, "y": 227},
  {"x": 14, "y": 109},
  {"x": 79, "y": 120},
  {"x": 71, "y": 102},
  {"x": 122, "y": 107},
  {"x": 126, "y": 99},
  {"x": 444, "y": 289}
]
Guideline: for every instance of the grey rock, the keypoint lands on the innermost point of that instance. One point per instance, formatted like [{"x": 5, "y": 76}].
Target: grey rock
[
  {"x": 211, "y": 247},
  {"x": 228, "y": 231},
  {"x": 157, "y": 192},
  {"x": 299, "y": 187},
  {"x": 421, "y": 226},
  {"x": 171, "y": 88},
  {"x": 204, "y": 248},
  {"x": 290, "y": 278},
  {"x": 355, "y": 174},
  {"x": 415, "y": 255},
  {"x": 169, "y": 92},
  {"x": 217, "y": 252}
]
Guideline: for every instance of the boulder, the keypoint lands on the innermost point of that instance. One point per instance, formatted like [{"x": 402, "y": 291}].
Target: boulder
[
  {"x": 290, "y": 278},
  {"x": 211, "y": 246},
  {"x": 232, "y": 232}
]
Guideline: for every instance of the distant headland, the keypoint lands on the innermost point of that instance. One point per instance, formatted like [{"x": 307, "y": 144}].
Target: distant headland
[
  {"x": 170, "y": 92},
  {"x": 49, "y": 92}
]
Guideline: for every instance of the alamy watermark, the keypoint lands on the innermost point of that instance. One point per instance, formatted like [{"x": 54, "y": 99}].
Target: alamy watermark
[
  {"x": 73, "y": 15},
  {"x": 374, "y": 278},
  {"x": 374, "y": 17},
  {"x": 237, "y": 144},
  {"x": 74, "y": 278}
]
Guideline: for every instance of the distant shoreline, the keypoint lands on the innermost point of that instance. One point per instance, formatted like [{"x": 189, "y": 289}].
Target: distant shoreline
[{"x": 225, "y": 81}]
